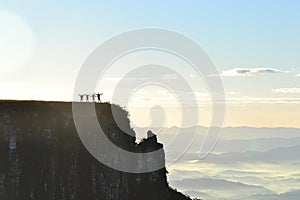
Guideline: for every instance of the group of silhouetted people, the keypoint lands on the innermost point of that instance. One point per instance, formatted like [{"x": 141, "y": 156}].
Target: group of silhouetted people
[{"x": 94, "y": 97}]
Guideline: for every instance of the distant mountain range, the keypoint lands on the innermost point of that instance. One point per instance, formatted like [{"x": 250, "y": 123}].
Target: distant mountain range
[{"x": 239, "y": 139}]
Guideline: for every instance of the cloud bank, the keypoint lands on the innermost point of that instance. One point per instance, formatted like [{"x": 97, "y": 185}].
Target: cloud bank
[
  {"x": 287, "y": 90},
  {"x": 250, "y": 71}
]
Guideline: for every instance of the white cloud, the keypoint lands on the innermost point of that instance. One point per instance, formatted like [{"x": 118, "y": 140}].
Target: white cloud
[
  {"x": 264, "y": 100},
  {"x": 287, "y": 90},
  {"x": 298, "y": 75},
  {"x": 250, "y": 71}
]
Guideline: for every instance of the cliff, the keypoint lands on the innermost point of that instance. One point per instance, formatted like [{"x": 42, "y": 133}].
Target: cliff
[{"x": 42, "y": 157}]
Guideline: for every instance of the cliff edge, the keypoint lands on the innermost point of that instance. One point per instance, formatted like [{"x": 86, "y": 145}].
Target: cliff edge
[{"x": 42, "y": 157}]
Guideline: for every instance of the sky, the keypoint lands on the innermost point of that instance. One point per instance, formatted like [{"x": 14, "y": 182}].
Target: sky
[{"x": 254, "y": 45}]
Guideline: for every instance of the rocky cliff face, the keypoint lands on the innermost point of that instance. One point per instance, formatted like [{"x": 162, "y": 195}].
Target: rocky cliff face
[{"x": 42, "y": 157}]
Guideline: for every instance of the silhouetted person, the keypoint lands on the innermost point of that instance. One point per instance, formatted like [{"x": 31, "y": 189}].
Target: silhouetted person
[
  {"x": 98, "y": 96},
  {"x": 93, "y": 96},
  {"x": 87, "y": 97},
  {"x": 81, "y": 97}
]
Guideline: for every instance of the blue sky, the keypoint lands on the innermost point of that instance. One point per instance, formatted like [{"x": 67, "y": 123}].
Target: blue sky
[
  {"x": 235, "y": 33},
  {"x": 55, "y": 37}
]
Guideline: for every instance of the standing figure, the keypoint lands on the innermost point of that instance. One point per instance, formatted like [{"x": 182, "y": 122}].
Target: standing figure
[
  {"x": 93, "y": 96},
  {"x": 87, "y": 97},
  {"x": 98, "y": 96},
  {"x": 81, "y": 97}
]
